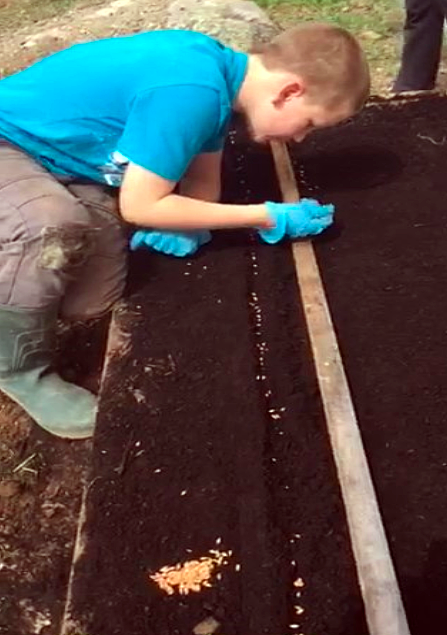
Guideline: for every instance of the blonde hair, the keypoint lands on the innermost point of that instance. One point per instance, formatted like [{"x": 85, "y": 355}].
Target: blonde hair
[{"x": 325, "y": 56}]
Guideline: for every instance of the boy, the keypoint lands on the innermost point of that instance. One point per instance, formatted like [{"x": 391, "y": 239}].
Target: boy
[{"x": 137, "y": 115}]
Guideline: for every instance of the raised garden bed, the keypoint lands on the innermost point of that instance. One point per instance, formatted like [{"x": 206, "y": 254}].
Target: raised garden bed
[
  {"x": 211, "y": 437},
  {"x": 211, "y": 441}
]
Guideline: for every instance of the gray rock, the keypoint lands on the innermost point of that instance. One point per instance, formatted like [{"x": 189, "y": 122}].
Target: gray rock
[
  {"x": 208, "y": 627},
  {"x": 237, "y": 23}
]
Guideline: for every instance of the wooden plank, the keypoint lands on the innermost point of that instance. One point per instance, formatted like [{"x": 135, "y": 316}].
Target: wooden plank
[{"x": 384, "y": 609}]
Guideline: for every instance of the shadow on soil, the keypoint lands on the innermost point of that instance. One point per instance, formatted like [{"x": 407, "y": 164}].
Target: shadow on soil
[
  {"x": 353, "y": 168},
  {"x": 428, "y": 590}
]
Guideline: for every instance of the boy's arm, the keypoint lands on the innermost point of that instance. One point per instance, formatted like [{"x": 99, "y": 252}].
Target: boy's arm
[
  {"x": 203, "y": 177},
  {"x": 147, "y": 200}
]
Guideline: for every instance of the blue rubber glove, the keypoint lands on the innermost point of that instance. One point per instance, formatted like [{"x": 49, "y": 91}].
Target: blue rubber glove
[
  {"x": 171, "y": 243},
  {"x": 296, "y": 220}
]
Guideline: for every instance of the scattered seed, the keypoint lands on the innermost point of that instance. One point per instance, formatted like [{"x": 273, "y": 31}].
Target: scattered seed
[
  {"x": 188, "y": 577},
  {"x": 139, "y": 395},
  {"x": 184, "y": 492},
  {"x": 157, "y": 471},
  {"x": 237, "y": 567},
  {"x": 218, "y": 541},
  {"x": 299, "y": 582},
  {"x": 299, "y": 610}
]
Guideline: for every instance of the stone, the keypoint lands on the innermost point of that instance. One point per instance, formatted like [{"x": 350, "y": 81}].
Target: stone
[
  {"x": 208, "y": 627},
  {"x": 236, "y": 23},
  {"x": 9, "y": 488}
]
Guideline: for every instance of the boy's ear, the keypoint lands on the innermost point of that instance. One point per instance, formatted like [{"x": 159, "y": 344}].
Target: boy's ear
[{"x": 290, "y": 91}]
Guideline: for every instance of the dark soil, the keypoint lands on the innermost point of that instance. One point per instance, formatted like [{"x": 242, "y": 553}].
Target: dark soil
[
  {"x": 384, "y": 266},
  {"x": 196, "y": 450},
  {"x": 39, "y": 505}
]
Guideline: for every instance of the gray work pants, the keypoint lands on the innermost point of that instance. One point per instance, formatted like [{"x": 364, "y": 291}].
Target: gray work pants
[{"x": 61, "y": 244}]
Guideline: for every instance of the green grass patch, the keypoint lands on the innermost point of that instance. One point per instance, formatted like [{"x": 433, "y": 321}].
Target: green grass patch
[{"x": 383, "y": 17}]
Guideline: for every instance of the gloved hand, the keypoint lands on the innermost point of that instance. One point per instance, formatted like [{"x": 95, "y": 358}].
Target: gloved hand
[
  {"x": 296, "y": 220},
  {"x": 171, "y": 243}
]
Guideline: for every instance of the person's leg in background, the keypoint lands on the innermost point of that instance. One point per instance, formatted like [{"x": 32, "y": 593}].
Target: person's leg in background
[
  {"x": 421, "y": 54},
  {"x": 49, "y": 244}
]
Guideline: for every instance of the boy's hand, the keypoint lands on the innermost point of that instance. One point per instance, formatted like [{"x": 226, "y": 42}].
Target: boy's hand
[
  {"x": 171, "y": 243},
  {"x": 296, "y": 220}
]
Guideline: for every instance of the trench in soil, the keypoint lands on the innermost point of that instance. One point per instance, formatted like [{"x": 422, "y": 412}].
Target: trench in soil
[{"x": 211, "y": 436}]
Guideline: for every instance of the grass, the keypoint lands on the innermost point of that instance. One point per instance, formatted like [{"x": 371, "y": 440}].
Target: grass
[{"x": 376, "y": 23}]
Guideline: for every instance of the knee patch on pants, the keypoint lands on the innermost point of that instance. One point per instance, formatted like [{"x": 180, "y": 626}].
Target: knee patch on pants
[{"x": 66, "y": 248}]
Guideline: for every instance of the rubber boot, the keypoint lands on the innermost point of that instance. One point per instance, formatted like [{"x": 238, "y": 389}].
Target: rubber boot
[{"x": 26, "y": 353}]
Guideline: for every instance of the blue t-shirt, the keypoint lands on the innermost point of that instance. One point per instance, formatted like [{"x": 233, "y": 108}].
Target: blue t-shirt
[{"x": 156, "y": 99}]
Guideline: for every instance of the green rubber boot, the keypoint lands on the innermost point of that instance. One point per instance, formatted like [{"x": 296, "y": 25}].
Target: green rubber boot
[{"x": 26, "y": 352}]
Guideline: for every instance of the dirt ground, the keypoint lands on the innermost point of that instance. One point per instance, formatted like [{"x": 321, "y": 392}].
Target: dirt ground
[
  {"x": 28, "y": 41},
  {"x": 41, "y": 480}
]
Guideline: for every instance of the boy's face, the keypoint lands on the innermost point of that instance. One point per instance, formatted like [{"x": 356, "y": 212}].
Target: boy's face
[{"x": 291, "y": 114}]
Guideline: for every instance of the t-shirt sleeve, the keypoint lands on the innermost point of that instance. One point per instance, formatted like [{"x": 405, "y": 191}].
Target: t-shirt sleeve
[
  {"x": 217, "y": 142},
  {"x": 168, "y": 126}
]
